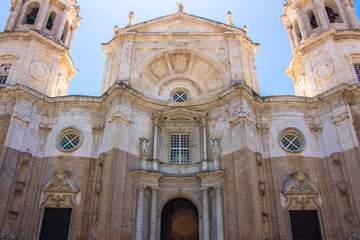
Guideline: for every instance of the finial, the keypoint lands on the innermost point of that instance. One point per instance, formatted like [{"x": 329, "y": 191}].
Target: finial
[
  {"x": 229, "y": 17},
  {"x": 116, "y": 28},
  {"x": 245, "y": 29},
  {"x": 180, "y": 7},
  {"x": 131, "y": 17}
]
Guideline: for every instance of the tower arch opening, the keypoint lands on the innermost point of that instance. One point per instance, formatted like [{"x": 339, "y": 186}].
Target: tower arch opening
[
  {"x": 179, "y": 220},
  {"x": 50, "y": 21},
  {"x": 333, "y": 12},
  {"x": 31, "y": 13}
]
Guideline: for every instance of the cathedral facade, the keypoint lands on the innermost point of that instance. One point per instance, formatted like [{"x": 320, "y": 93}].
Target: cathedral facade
[{"x": 180, "y": 144}]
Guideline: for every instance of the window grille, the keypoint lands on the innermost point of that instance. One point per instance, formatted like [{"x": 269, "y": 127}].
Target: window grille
[
  {"x": 69, "y": 140},
  {"x": 180, "y": 148},
  {"x": 291, "y": 140},
  {"x": 357, "y": 71},
  {"x": 180, "y": 96},
  {"x": 4, "y": 74}
]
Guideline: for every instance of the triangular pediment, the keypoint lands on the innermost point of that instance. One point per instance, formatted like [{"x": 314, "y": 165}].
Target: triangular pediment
[{"x": 178, "y": 23}]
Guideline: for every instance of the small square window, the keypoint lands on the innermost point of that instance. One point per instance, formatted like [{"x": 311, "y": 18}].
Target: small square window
[
  {"x": 357, "y": 71},
  {"x": 4, "y": 74}
]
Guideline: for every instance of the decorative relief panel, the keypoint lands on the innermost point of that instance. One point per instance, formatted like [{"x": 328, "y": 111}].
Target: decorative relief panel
[
  {"x": 300, "y": 193},
  {"x": 61, "y": 191},
  {"x": 39, "y": 71},
  {"x": 323, "y": 71}
]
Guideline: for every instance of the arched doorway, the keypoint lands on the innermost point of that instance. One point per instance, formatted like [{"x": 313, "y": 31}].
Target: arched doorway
[{"x": 179, "y": 220}]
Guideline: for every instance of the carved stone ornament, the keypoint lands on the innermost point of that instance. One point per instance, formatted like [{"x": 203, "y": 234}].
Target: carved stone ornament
[
  {"x": 61, "y": 191},
  {"x": 300, "y": 193},
  {"x": 238, "y": 114},
  {"x": 339, "y": 120},
  {"x": 323, "y": 71},
  {"x": 39, "y": 71},
  {"x": 354, "y": 236},
  {"x": 316, "y": 127},
  {"x": 7, "y": 234},
  {"x": 122, "y": 117}
]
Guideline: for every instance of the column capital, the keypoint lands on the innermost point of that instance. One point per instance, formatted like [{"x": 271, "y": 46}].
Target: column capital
[
  {"x": 204, "y": 189},
  {"x": 218, "y": 186},
  {"x": 141, "y": 187},
  {"x": 154, "y": 189}
]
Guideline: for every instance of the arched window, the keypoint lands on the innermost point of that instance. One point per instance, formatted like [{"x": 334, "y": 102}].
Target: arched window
[
  {"x": 313, "y": 21},
  {"x": 65, "y": 32},
  {"x": 50, "y": 21},
  {"x": 331, "y": 15},
  {"x": 31, "y": 13}
]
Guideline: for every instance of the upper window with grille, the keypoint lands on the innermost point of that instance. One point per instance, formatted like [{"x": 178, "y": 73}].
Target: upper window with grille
[
  {"x": 292, "y": 140},
  {"x": 4, "y": 74},
  {"x": 179, "y": 148},
  {"x": 357, "y": 71},
  {"x": 180, "y": 96},
  {"x": 69, "y": 140}
]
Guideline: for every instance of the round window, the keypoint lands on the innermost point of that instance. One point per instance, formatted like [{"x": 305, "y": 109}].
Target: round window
[
  {"x": 69, "y": 140},
  {"x": 292, "y": 140},
  {"x": 180, "y": 96}
]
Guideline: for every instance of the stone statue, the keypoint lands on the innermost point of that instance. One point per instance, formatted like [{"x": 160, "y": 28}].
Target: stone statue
[
  {"x": 180, "y": 7},
  {"x": 143, "y": 145},
  {"x": 216, "y": 142}
]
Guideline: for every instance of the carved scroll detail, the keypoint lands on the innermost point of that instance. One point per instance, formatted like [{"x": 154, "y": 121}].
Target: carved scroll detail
[
  {"x": 61, "y": 191},
  {"x": 300, "y": 193}
]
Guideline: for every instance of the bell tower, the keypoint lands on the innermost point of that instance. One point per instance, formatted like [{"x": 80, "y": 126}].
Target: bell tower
[
  {"x": 325, "y": 40},
  {"x": 36, "y": 43}
]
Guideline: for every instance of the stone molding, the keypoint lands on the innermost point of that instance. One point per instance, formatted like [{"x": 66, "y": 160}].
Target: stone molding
[{"x": 300, "y": 193}]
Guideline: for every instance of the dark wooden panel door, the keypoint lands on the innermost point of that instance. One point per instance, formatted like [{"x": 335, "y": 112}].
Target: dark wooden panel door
[
  {"x": 179, "y": 221},
  {"x": 305, "y": 225},
  {"x": 56, "y": 224}
]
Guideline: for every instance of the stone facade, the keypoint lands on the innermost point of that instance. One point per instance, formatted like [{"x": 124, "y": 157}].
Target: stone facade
[{"x": 244, "y": 161}]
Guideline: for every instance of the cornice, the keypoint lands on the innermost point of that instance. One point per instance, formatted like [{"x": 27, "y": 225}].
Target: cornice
[{"x": 237, "y": 90}]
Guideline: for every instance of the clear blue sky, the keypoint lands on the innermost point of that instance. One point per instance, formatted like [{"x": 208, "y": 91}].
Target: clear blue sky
[{"x": 262, "y": 18}]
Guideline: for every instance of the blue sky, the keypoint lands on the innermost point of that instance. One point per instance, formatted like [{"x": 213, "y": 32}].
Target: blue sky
[{"x": 262, "y": 17}]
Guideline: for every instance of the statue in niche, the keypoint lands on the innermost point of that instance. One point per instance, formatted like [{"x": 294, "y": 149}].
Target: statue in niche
[
  {"x": 216, "y": 143},
  {"x": 143, "y": 146}
]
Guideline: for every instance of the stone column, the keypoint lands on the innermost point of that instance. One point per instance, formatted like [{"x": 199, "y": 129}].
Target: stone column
[
  {"x": 153, "y": 215},
  {"x": 41, "y": 17},
  {"x": 351, "y": 16},
  {"x": 155, "y": 146},
  {"x": 205, "y": 201},
  {"x": 301, "y": 24},
  {"x": 295, "y": 37},
  {"x": 323, "y": 18},
  {"x": 291, "y": 37},
  {"x": 14, "y": 16},
  {"x": 140, "y": 212},
  {"x": 219, "y": 213},
  {"x": 72, "y": 36},
  {"x": 204, "y": 147},
  {"x": 62, "y": 25}
]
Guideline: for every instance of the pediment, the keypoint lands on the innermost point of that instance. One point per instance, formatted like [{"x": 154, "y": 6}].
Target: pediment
[
  {"x": 180, "y": 114},
  {"x": 178, "y": 23}
]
